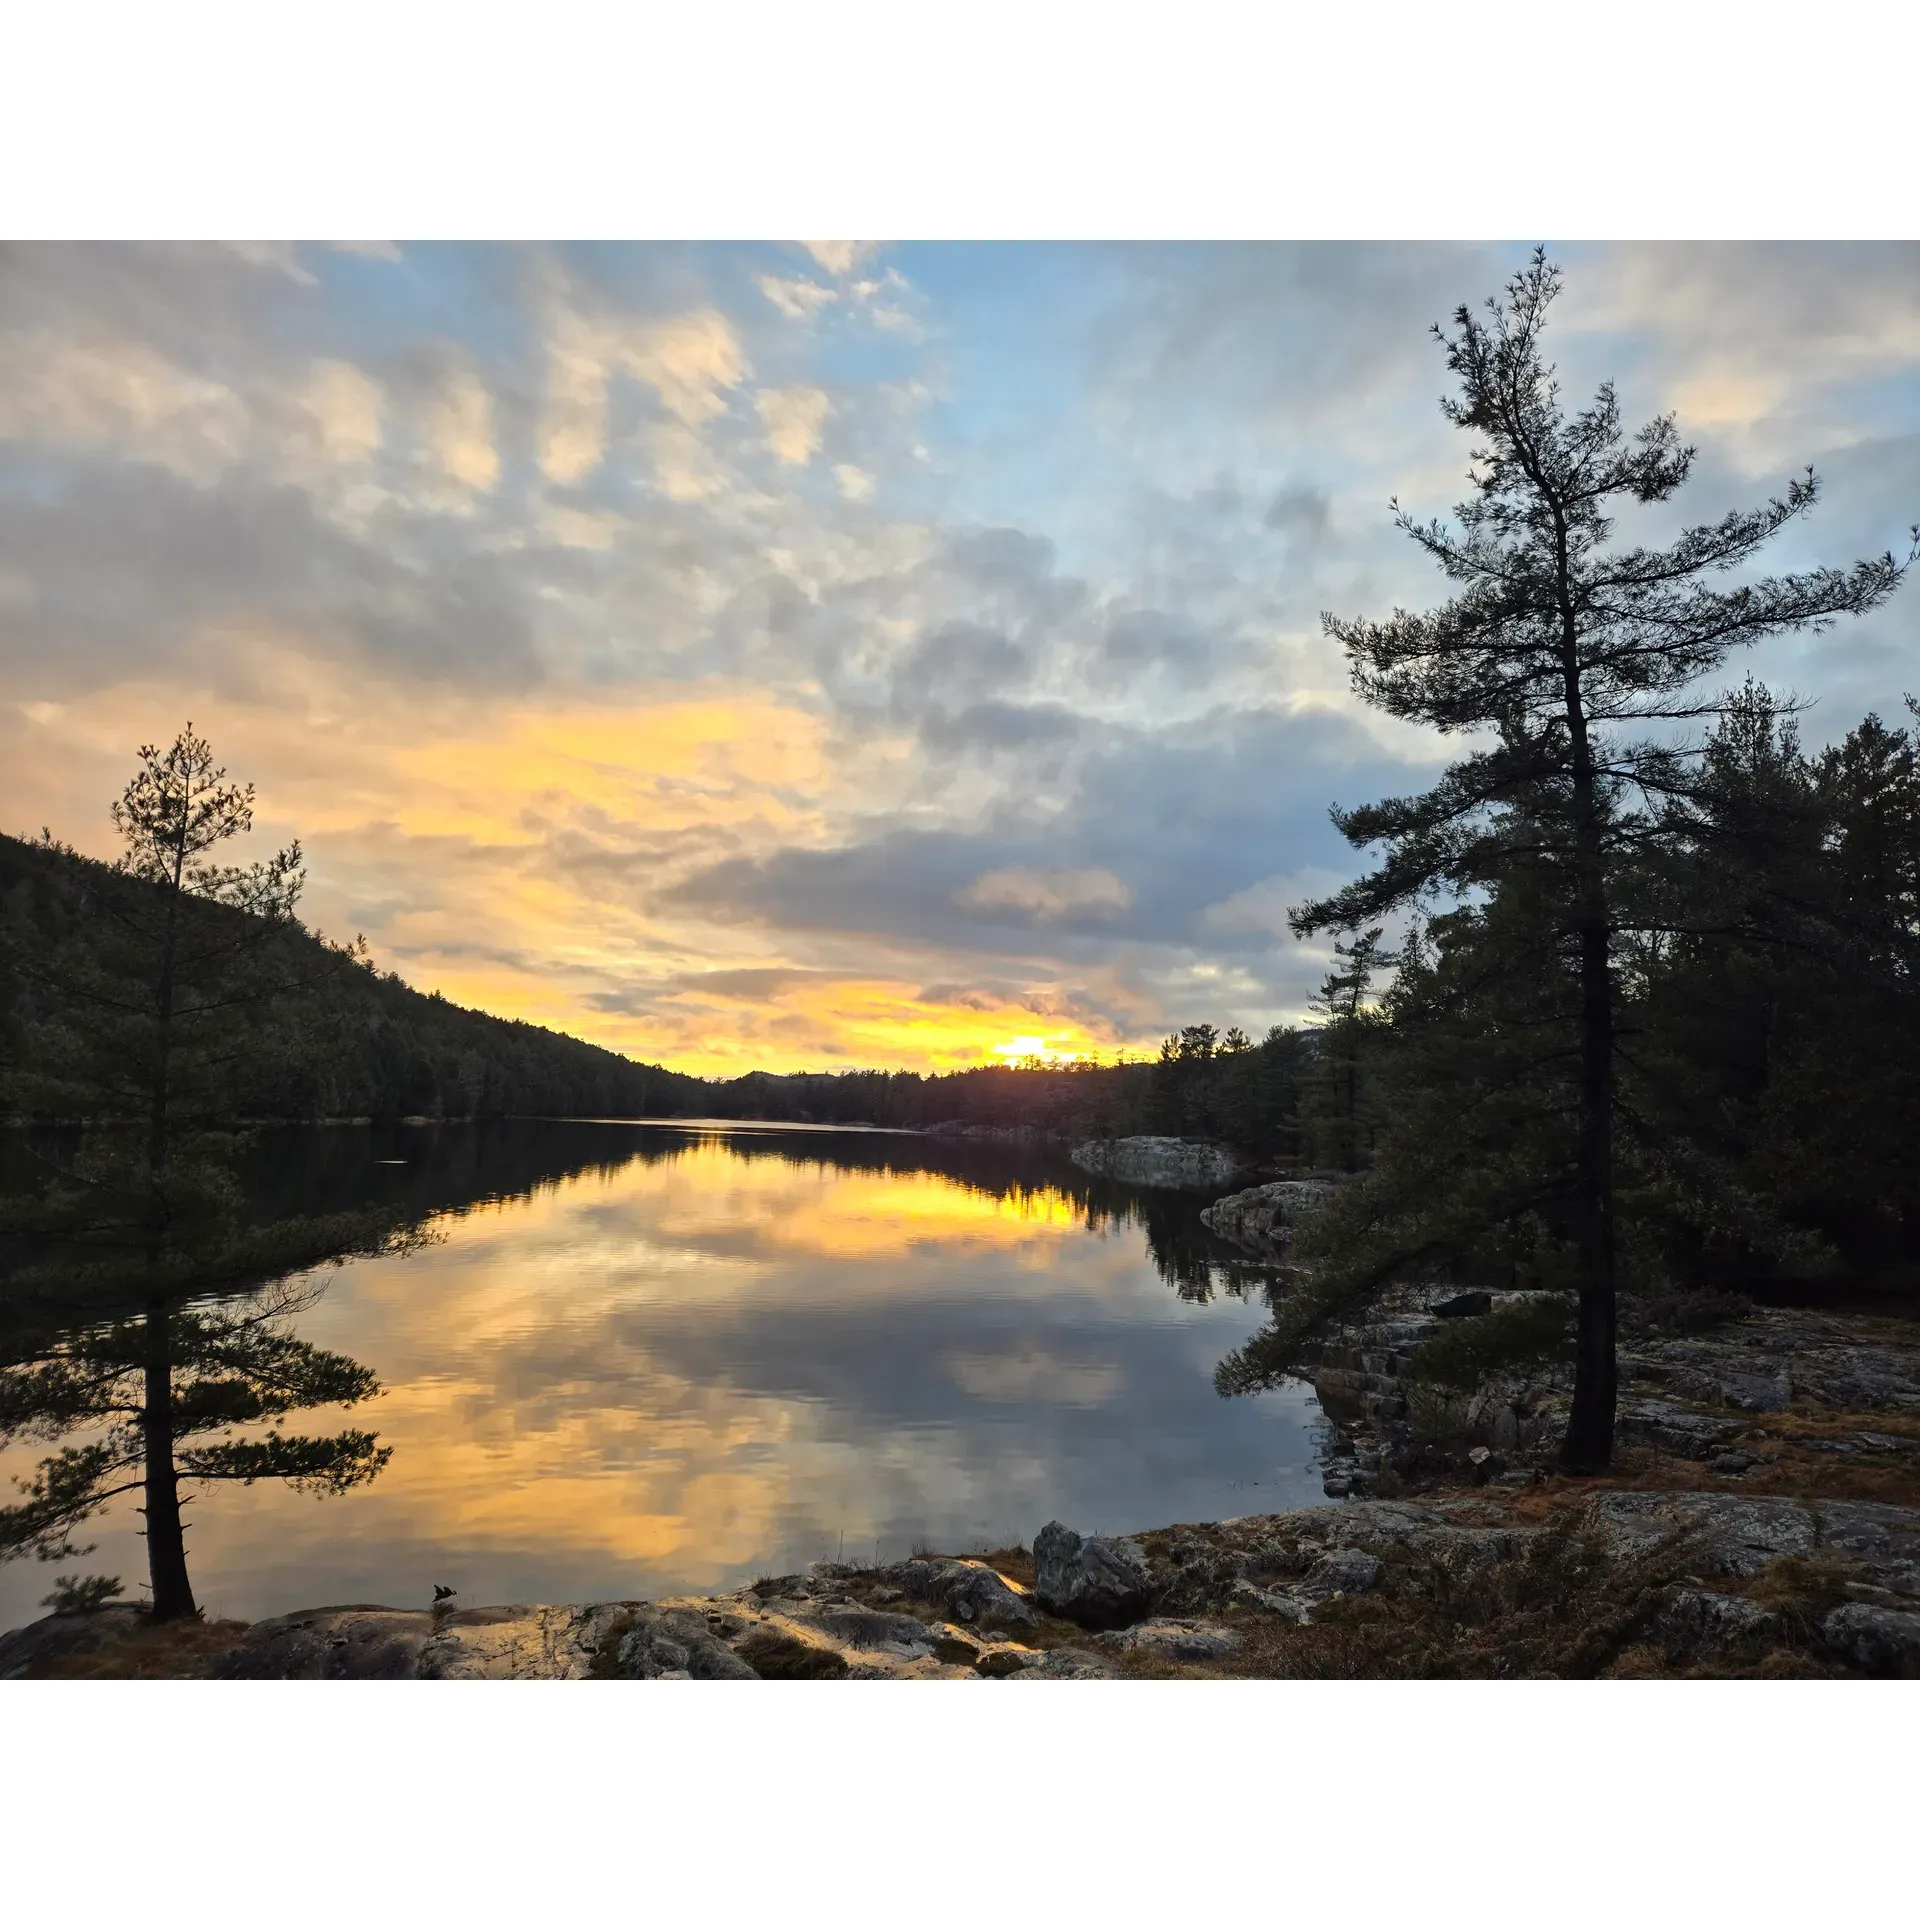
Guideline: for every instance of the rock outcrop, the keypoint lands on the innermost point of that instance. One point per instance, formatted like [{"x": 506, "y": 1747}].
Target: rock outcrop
[
  {"x": 57, "y": 1635},
  {"x": 1157, "y": 1160},
  {"x": 1262, "y": 1219},
  {"x": 1706, "y": 1394},
  {"x": 1680, "y": 1582}
]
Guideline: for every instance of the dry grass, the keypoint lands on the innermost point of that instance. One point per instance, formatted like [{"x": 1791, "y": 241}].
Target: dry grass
[
  {"x": 774, "y": 1655},
  {"x": 1560, "y": 1609},
  {"x": 1011, "y": 1562},
  {"x": 180, "y": 1650}
]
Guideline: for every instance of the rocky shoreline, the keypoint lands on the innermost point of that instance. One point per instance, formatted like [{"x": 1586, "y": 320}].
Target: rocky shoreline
[{"x": 1485, "y": 1584}]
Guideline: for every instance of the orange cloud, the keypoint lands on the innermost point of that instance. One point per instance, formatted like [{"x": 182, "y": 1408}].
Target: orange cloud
[{"x": 511, "y": 856}]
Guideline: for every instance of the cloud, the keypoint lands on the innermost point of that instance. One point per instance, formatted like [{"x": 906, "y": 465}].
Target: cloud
[
  {"x": 119, "y": 396},
  {"x": 794, "y": 418},
  {"x": 1299, "y": 510},
  {"x": 1077, "y": 892},
  {"x": 346, "y": 407},
  {"x": 1261, "y": 910},
  {"x": 798, "y": 299},
  {"x": 278, "y": 256},
  {"x": 575, "y": 430},
  {"x": 691, "y": 361},
  {"x": 840, "y": 256},
  {"x": 460, "y": 432},
  {"x": 594, "y": 705}
]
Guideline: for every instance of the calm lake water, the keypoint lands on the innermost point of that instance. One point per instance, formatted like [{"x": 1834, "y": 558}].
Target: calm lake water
[{"x": 645, "y": 1359}]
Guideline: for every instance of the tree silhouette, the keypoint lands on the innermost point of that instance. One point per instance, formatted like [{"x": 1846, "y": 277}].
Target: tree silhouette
[
  {"x": 177, "y": 990},
  {"x": 1565, "y": 648}
]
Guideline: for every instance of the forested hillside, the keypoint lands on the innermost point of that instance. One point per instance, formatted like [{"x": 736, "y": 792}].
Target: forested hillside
[{"x": 347, "y": 1040}]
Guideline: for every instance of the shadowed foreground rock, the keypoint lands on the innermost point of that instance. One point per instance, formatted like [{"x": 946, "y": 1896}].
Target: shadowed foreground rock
[
  {"x": 1094, "y": 1583},
  {"x": 66, "y": 1635},
  {"x": 1615, "y": 1582}
]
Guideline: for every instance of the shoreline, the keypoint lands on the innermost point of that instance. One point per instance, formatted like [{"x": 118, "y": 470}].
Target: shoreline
[{"x": 1561, "y": 1580}]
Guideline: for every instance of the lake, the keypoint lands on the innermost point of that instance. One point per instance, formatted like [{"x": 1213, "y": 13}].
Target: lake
[{"x": 644, "y": 1358}]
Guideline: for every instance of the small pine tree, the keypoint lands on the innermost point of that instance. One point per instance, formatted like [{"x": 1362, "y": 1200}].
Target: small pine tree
[
  {"x": 153, "y": 1314},
  {"x": 1340, "y": 1115}
]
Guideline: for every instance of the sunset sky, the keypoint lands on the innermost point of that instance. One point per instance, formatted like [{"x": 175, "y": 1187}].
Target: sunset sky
[{"x": 818, "y": 656}]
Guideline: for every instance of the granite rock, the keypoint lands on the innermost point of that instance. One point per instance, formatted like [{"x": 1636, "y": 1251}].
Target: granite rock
[
  {"x": 1094, "y": 1582},
  {"x": 1157, "y": 1160}
]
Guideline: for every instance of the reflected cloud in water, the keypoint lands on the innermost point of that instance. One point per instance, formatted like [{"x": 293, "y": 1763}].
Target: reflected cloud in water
[{"x": 646, "y": 1359}]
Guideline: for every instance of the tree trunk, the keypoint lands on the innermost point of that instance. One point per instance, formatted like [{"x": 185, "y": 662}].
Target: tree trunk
[
  {"x": 1588, "y": 1447},
  {"x": 166, "y": 1537}
]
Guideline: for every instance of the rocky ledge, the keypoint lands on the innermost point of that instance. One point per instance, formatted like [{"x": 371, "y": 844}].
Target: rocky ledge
[
  {"x": 1780, "y": 1399},
  {"x": 1485, "y": 1584},
  {"x": 1157, "y": 1160}
]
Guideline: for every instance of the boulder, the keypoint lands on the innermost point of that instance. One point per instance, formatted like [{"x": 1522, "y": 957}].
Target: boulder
[
  {"x": 1066, "y": 1663},
  {"x": 1346, "y": 1570},
  {"x": 1676, "y": 1430},
  {"x": 1739, "y": 1534},
  {"x": 333, "y": 1643},
  {"x": 1156, "y": 1160},
  {"x": 482, "y": 1643},
  {"x": 1877, "y": 1639},
  {"x": 1094, "y": 1582},
  {"x": 1178, "y": 1640},
  {"x": 1003, "y": 1662},
  {"x": 1757, "y": 1393},
  {"x": 675, "y": 1640},
  {"x": 56, "y": 1634},
  {"x": 868, "y": 1627},
  {"x": 1693, "y": 1620},
  {"x": 966, "y": 1592}
]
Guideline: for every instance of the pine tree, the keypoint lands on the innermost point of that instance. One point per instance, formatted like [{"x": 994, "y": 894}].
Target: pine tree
[
  {"x": 1339, "y": 1097},
  {"x": 1565, "y": 647},
  {"x": 170, "y": 999}
]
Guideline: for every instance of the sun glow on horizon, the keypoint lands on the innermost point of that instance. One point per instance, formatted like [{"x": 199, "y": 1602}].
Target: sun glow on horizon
[{"x": 1042, "y": 1049}]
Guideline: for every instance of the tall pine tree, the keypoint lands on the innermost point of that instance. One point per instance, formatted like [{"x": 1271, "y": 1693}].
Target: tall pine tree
[{"x": 1577, "y": 656}]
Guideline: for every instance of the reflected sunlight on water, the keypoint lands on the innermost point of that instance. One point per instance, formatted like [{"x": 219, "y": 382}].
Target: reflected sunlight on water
[{"x": 699, "y": 1355}]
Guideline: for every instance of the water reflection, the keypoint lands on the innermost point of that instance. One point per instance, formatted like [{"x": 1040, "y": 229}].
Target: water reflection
[{"x": 646, "y": 1359}]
